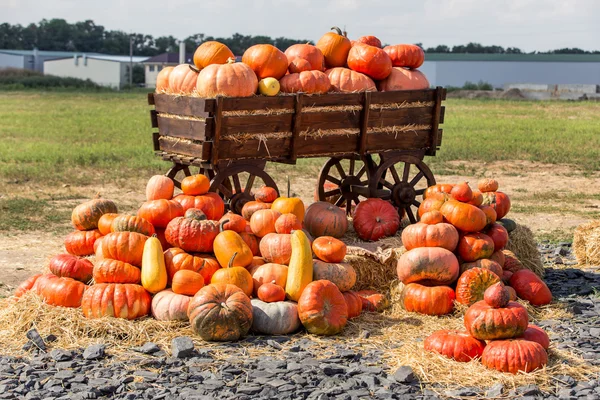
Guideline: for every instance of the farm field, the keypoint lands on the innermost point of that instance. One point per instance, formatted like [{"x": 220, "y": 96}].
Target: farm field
[{"x": 61, "y": 148}]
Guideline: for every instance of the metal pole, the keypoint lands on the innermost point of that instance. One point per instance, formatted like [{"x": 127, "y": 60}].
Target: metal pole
[{"x": 130, "y": 61}]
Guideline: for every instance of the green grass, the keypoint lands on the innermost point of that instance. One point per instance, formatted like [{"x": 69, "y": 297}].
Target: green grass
[{"x": 23, "y": 214}]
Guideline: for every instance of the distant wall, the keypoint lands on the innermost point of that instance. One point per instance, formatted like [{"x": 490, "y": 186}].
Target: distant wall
[
  {"x": 102, "y": 72},
  {"x": 12, "y": 61}
]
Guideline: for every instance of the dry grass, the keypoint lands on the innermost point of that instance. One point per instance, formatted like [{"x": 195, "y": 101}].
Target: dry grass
[
  {"x": 586, "y": 243},
  {"x": 522, "y": 242},
  {"x": 404, "y": 104}
]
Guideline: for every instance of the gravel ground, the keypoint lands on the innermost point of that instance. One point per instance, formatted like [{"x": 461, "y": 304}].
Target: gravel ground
[{"x": 193, "y": 373}]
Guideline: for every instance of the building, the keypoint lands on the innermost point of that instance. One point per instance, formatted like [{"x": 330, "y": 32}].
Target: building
[
  {"x": 154, "y": 65},
  {"x": 30, "y": 59},
  {"x": 105, "y": 70},
  {"x": 449, "y": 69}
]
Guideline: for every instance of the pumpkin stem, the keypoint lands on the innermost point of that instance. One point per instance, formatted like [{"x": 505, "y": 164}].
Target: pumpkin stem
[
  {"x": 230, "y": 60},
  {"x": 224, "y": 305},
  {"x": 222, "y": 225},
  {"x": 230, "y": 265},
  {"x": 194, "y": 68},
  {"x": 338, "y": 30}
]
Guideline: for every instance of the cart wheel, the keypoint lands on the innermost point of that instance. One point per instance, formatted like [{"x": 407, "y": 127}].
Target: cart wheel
[
  {"x": 179, "y": 171},
  {"x": 402, "y": 190},
  {"x": 344, "y": 181},
  {"x": 234, "y": 184}
]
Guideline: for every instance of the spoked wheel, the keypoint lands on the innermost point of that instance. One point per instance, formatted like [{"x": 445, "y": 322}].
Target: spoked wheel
[
  {"x": 235, "y": 184},
  {"x": 345, "y": 181},
  {"x": 402, "y": 179},
  {"x": 179, "y": 171}
]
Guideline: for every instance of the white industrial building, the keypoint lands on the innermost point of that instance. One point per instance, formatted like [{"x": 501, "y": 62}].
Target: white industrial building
[
  {"x": 105, "y": 70},
  {"x": 32, "y": 60}
]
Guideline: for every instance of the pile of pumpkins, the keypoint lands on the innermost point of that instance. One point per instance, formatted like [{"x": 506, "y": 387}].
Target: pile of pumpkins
[
  {"x": 456, "y": 251},
  {"x": 335, "y": 64},
  {"x": 183, "y": 258},
  {"x": 497, "y": 332}
]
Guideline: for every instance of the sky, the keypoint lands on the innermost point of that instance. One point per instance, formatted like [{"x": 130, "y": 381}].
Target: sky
[{"x": 528, "y": 24}]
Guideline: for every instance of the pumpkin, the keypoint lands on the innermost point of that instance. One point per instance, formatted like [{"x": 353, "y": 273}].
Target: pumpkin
[
  {"x": 403, "y": 79},
  {"x": 477, "y": 198},
  {"x": 256, "y": 262},
  {"x": 154, "y": 271},
  {"x": 115, "y": 271},
  {"x": 322, "y": 308},
  {"x": 335, "y": 48},
  {"x": 307, "y": 52},
  {"x": 430, "y": 204},
  {"x": 159, "y": 187},
  {"x": 59, "y": 291},
  {"x": 490, "y": 214},
  {"x": 287, "y": 223},
  {"x": 266, "y": 194},
  {"x": 498, "y": 256},
  {"x": 310, "y": 82},
  {"x": 475, "y": 246},
  {"x": 195, "y": 213},
  {"x": 530, "y": 287},
  {"x": 464, "y": 216},
  {"x": 509, "y": 224},
  {"x": 211, "y": 52},
  {"x": 230, "y": 249},
  {"x": 462, "y": 192},
  {"x": 160, "y": 234},
  {"x": 232, "y": 275},
  {"x": 169, "y": 306},
  {"x": 220, "y": 312},
  {"x": 375, "y": 218},
  {"x": 162, "y": 80},
  {"x": 370, "y": 40},
  {"x": 370, "y": 60},
  {"x": 231, "y": 79},
  {"x": 511, "y": 262},
  {"x": 195, "y": 185},
  {"x": 441, "y": 188},
  {"x": 471, "y": 285},
  {"x": 428, "y": 266},
  {"x": 177, "y": 259},
  {"x": 105, "y": 222},
  {"x": 499, "y": 236},
  {"x": 252, "y": 241},
  {"x": 276, "y": 248},
  {"x": 299, "y": 65},
  {"x": 499, "y": 201},
  {"x": 432, "y": 217},
  {"x": 26, "y": 285},
  {"x": 300, "y": 270},
  {"x": 233, "y": 222},
  {"x": 70, "y": 266},
  {"x": 487, "y": 323},
  {"x": 373, "y": 301},
  {"x": 329, "y": 249},
  {"x": 132, "y": 223},
  {"x": 211, "y": 204},
  {"x": 86, "y": 215},
  {"x": 97, "y": 244},
  {"x": 511, "y": 292},
  {"x": 192, "y": 235},
  {"x": 270, "y": 293},
  {"x": 496, "y": 295},
  {"x": 506, "y": 275},
  {"x": 423, "y": 235},
  {"x": 354, "y": 303},
  {"x": 81, "y": 243},
  {"x": 428, "y": 300},
  {"x": 341, "y": 274},
  {"x": 536, "y": 334},
  {"x": 517, "y": 355},
  {"x": 160, "y": 212},
  {"x": 123, "y": 246},
  {"x": 187, "y": 282},
  {"x": 293, "y": 205},
  {"x": 349, "y": 81},
  {"x": 262, "y": 222},
  {"x": 487, "y": 185},
  {"x": 266, "y": 61},
  {"x": 253, "y": 206},
  {"x": 116, "y": 300},
  {"x": 485, "y": 264},
  {"x": 459, "y": 346},
  {"x": 325, "y": 219},
  {"x": 405, "y": 55},
  {"x": 182, "y": 80},
  {"x": 278, "y": 318},
  {"x": 269, "y": 273}
]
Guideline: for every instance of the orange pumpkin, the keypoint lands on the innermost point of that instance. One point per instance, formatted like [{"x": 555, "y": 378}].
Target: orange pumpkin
[
  {"x": 252, "y": 241},
  {"x": 211, "y": 52},
  {"x": 530, "y": 287},
  {"x": 81, "y": 243},
  {"x": 423, "y": 235},
  {"x": 436, "y": 300},
  {"x": 487, "y": 185},
  {"x": 211, "y": 204},
  {"x": 514, "y": 355},
  {"x": 299, "y": 65},
  {"x": 132, "y": 223},
  {"x": 231, "y": 79},
  {"x": 276, "y": 247},
  {"x": 266, "y": 194},
  {"x": 311, "y": 82},
  {"x": 123, "y": 246},
  {"x": 329, "y": 249},
  {"x": 182, "y": 80},
  {"x": 354, "y": 303},
  {"x": 270, "y": 272},
  {"x": 322, "y": 308},
  {"x": 115, "y": 271},
  {"x": 59, "y": 291},
  {"x": 86, "y": 215},
  {"x": 116, "y": 300},
  {"x": 475, "y": 246},
  {"x": 187, "y": 282},
  {"x": 349, "y": 81},
  {"x": 270, "y": 293},
  {"x": 459, "y": 346},
  {"x": 432, "y": 217},
  {"x": 403, "y": 79},
  {"x": 370, "y": 40},
  {"x": 160, "y": 212},
  {"x": 177, "y": 259},
  {"x": 191, "y": 234},
  {"x": 428, "y": 266},
  {"x": 159, "y": 187},
  {"x": 238, "y": 276},
  {"x": 287, "y": 223},
  {"x": 472, "y": 284},
  {"x": 464, "y": 216},
  {"x": 335, "y": 48},
  {"x": 253, "y": 206},
  {"x": 370, "y": 60},
  {"x": 307, "y": 52},
  {"x": 195, "y": 185},
  {"x": 266, "y": 60},
  {"x": 105, "y": 222},
  {"x": 262, "y": 222},
  {"x": 490, "y": 214},
  {"x": 233, "y": 222},
  {"x": 162, "y": 80},
  {"x": 405, "y": 55}
]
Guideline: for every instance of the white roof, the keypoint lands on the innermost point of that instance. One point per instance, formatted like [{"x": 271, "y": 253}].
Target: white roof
[{"x": 123, "y": 59}]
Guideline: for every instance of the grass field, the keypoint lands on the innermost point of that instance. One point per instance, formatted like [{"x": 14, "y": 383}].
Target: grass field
[{"x": 54, "y": 140}]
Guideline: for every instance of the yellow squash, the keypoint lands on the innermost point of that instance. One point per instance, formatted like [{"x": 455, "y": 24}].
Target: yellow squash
[
  {"x": 300, "y": 270},
  {"x": 154, "y": 272}
]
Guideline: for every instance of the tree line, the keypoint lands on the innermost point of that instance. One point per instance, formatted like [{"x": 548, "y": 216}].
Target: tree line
[{"x": 86, "y": 36}]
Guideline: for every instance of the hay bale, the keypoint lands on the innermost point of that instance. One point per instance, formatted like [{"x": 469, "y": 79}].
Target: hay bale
[
  {"x": 586, "y": 243},
  {"x": 522, "y": 242},
  {"x": 374, "y": 270}
]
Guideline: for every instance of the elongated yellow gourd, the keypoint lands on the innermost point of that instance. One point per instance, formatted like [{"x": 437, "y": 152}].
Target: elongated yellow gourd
[
  {"x": 154, "y": 272},
  {"x": 300, "y": 270}
]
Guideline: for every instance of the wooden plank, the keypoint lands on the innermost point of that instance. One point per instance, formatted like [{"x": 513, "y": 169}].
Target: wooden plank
[
  {"x": 403, "y": 95},
  {"x": 439, "y": 142},
  {"x": 435, "y": 123},
  {"x": 151, "y": 99},
  {"x": 333, "y": 99},
  {"x": 258, "y": 103},
  {"x": 257, "y": 124},
  {"x": 184, "y": 105},
  {"x": 217, "y": 134},
  {"x": 442, "y": 114},
  {"x": 400, "y": 116},
  {"x": 185, "y": 128},
  {"x": 296, "y": 124},
  {"x": 364, "y": 123},
  {"x": 272, "y": 148},
  {"x": 155, "y": 145},
  {"x": 313, "y": 121},
  {"x": 401, "y": 141},
  {"x": 186, "y": 148},
  {"x": 153, "y": 119},
  {"x": 324, "y": 145},
  {"x": 443, "y": 92}
]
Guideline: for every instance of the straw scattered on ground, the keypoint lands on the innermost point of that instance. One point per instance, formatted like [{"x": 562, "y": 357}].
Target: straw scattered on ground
[
  {"x": 522, "y": 242},
  {"x": 586, "y": 243}
]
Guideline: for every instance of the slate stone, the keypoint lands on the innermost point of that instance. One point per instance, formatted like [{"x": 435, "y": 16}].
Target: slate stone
[
  {"x": 64, "y": 374},
  {"x": 333, "y": 369},
  {"x": 528, "y": 390},
  {"x": 36, "y": 339},
  {"x": 404, "y": 374},
  {"x": 182, "y": 347},
  {"x": 246, "y": 388},
  {"x": 61, "y": 355},
  {"x": 495, "y": 391},
  {"x": 94, "y": 352},
  {"x": 274, "y": 344}
]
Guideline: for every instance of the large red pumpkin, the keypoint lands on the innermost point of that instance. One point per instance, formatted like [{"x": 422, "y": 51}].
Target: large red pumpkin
[
  {"x": 177, "y": 259},
  {"x": 370, "y": 40},
  {"x": 459, "y": 346},
  {"x": 375, "y": 218},
  {"x": 322, "y": 308},
  {"x": 123, "y": 246},
  {"x": 115, "y": 271},
  {"x": 70, "y": 266},
  {"x": 266, "y": 60},
  {"x": 475, "y": 246},
  {"x": 191, "y": 234},
  {"x": 499, "y": 236},
  {"x": 370, "y": 60},
  {"x": 405, "y": 55},
  {"x": 499, "y": 201},
  {"x": 530, "y": 287},
  {"x": 354, "y": 303},
  {"x": 116, "y": 300},
  {"x": 428, "y": 265},
  {"x": 325, "y": 219},
  {"x": 160, "y": 212},
  {"x": 536, "y": 334},
  {"x": 310, "y": 82},
  {"x": 59, "y": 291},
  {"x": 472, "y": 284},
  {"x": 517, "y": 355},
  {"x": 424, "y": 235},
  {"x": 81, "y": 243},
  {"x": 488, "y": 323},
  {"x": 429, "y": 300}
]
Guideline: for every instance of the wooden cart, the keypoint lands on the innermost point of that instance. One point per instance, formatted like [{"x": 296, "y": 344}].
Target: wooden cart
[{"x": 375, "y": 142}]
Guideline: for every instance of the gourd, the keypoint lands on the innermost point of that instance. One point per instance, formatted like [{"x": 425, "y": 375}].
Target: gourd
[
  {"x": 154, "y": 271},
  {"x": 300, "y": 270}
]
